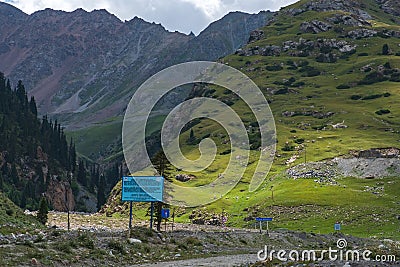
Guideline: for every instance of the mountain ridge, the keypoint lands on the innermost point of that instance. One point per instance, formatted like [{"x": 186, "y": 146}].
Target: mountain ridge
[{"x": 83, "y": 66}]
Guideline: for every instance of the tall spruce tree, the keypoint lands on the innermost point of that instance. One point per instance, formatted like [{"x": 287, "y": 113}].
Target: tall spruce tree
[
  {"x": 101, "y": 197},
  {"x": 163, "y": 167},
  {"x": 43, "y": 211}
]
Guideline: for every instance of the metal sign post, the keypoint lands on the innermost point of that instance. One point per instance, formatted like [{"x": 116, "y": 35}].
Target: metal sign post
[
  {"x": 130, "y": 215},
  {"x": 151, "y": 215},
  {"x": 260, "y": 220}
]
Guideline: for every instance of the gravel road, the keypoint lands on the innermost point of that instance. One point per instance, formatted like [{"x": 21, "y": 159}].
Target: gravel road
[{"x": 223, "y": 261}]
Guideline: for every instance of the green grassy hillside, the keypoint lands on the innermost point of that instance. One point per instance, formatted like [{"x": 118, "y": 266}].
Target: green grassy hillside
[
  {"x": 13, "y": 219},
  {"x": 346, "y": 74}
]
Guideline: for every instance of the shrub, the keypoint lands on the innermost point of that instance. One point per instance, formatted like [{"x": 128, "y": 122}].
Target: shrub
[
  {"x": 274, "y": 67},
  {"x": 385, "y": 49},
  {"x": 228, "y": 151},
  {"x": 299, "y": 141},
  {"x": 303, "y": 63},
  {"x": 85, "y": 240},
  {"x": 290, "y": 81},
  {"x": 194, "y": 241},
  {"x": 64, "y": 247},
  {"x": 373, "y": 77},
  {"x": 319, "y": 127},
  {"x": 9, "y": 212},
  {"x": 254, "y": 124},
  {"x": 343, "y": 86},
  {"x": 325, "y": 49},
  {"x": 282, "y": 91},
  {"x": 288, "y": 147},
  {"x": 298, "y": 84},
  {"x": 355, "y": 97},
  {"x": 205, "y": 136},
  {"x": 309, "y": 71},
  {"x": 369, "y": 97},
  {"x": 382, "y": 111},
  {"x": 209, "y": 92},
  {"x": 395, "y": 77},
  {"x": 116, "y": 246}
]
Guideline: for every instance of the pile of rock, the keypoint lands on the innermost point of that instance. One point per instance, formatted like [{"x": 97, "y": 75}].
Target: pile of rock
[
  {"x": 185, "y": 177},
  {"x": 389, "y": 152},
  {"x": 361, "y": 33},
  {"x": 325, "y": 171},
  {"x": 203, "y": 217}
]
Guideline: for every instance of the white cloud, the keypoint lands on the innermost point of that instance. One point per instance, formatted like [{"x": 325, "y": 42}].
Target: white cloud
[{"x": 181, "y": 15}]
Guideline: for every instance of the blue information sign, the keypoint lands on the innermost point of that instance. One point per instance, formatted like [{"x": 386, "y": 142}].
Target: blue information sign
[
  {"x": 142, "y": 188},
  {"x": 165, "y": 213},
  {"x": 260, "y": 219},
  {"x": 337, "y": 226}
]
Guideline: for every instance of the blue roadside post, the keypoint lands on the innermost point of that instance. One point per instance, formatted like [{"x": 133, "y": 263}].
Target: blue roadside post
[
  {"x": 337, "y": 226},
  {"x": 165, "y": 216}
]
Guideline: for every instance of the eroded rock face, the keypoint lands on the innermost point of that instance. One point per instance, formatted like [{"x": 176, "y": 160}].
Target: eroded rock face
[
  {"x": 59, "y": 195},
  {"x": 315, "y": 26},
  {"x": 256, "y": 35},
  {"x": 370, "y": 163},
  {"x": 349, "y": 20}
]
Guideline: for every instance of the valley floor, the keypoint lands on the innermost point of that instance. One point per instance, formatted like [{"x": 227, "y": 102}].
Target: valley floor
[{"x": 97, "y": 240}]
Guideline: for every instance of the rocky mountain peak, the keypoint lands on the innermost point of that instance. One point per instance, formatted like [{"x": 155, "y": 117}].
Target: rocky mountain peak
[{"x": 11, "y": 11}]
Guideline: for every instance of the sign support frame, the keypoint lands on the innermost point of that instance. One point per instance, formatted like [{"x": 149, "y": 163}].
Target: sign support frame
[
  {"x": 130, "y": 215},
  {"x": 151, "y": 214}
]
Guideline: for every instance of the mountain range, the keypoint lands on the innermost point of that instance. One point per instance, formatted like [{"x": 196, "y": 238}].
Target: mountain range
[{"x": 83, "y": 67}]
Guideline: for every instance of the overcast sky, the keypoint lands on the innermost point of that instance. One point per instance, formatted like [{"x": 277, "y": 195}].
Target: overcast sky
[{"x": 180, "y": 15}]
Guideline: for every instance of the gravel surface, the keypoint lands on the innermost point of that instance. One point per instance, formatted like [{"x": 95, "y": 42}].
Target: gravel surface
[{"x": 222, "y": 261}]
